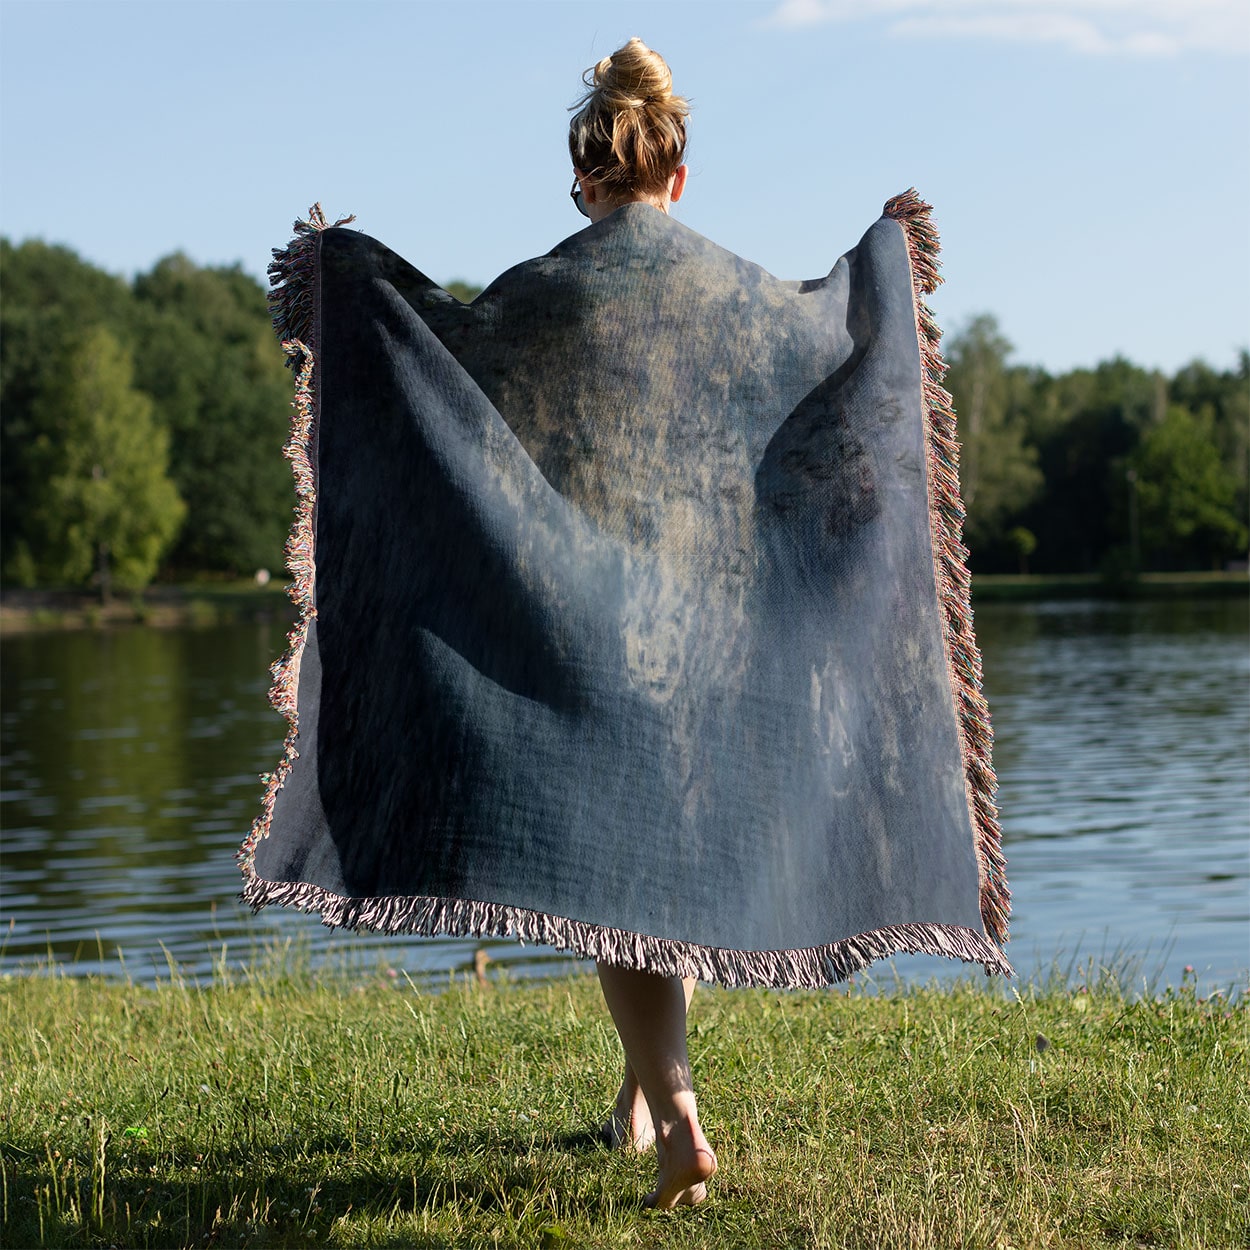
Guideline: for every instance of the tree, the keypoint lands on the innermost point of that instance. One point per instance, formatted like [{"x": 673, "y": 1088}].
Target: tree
[
  {"x": 1024, "y": 543},
  {"x": 104, "y": 507},
  {"x": 208, "y": 358},
  {"x": 1087, "y": 422},
  {"x": 1072, "y": 472},
  {"x": 1187, "y": 493},
  {"x": 51, "y": 297},
  {"x": 997, "y": 467},
  {"x": 1223, "y": 399},
  {"x": 465, "y": 292}
]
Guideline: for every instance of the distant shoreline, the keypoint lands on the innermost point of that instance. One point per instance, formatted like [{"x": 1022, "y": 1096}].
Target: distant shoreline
[
  {"x": 1008, "y": 587},
  {"x": 206, "y": 604},
  {"x": 163, "y": 606}
]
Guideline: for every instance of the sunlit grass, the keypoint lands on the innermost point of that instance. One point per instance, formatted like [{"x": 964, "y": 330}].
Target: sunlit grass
[{"x": 279, "y": 1107}]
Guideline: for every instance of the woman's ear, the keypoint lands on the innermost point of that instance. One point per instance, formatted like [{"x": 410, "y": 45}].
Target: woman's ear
[
  {"x": 589, "y": 187},
  {"x": 678, "y": 183}
]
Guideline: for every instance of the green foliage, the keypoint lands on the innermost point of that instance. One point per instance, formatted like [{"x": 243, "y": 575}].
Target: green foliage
[
  {"x": 1187, "y": 491},
  {"x": 465, "y": 292},
  {"x": 208, "y": 357},
  {"x": 1056, "y": 457},
  {"x": 51, "y": 299},
  {"x": 40, "y": 278},
  {"x": 278, "y": 1109},
  {"x": 1222, "y": 400},
  {"x": 101, "y": 504},
  {"x": 217, "y": 404},
  {"x": 998, "y": 468},
  {"x": 1024, "y": 543},
  {"x": 1051, "y": 456}
]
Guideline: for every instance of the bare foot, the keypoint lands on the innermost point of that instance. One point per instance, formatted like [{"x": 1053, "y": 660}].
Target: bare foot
[
  {"x": 629, "y": 1126},
  {"x": 686, "y": 1165}
]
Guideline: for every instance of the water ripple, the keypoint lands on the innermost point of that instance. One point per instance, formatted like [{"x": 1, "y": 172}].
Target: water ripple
[{"x": 131, "y": 763}]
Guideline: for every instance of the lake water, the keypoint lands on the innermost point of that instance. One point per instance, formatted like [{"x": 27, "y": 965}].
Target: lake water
[{"x": 130, "y": 762}]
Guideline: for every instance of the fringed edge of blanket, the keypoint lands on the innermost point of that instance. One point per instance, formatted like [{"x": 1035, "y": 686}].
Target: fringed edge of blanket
[
  {"x": 950, "y": 560},
  {"x": 294, "y": 296},
  {"x": 809, "y": 968},
  {"x": 293, "y": 304},
  {"x": 296, "y": 317}
]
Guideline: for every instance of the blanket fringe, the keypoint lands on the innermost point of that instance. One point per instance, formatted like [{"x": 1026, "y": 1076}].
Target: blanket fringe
[
  {"x": 809, "y": 968},
  {"x": 950, "y": 559},
  {"x": 293, "y": 305},
  {"x": 293, "y": 278}
]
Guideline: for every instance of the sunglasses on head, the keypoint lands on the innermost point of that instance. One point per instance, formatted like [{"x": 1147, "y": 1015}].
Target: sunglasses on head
[{"x": 576, "y": 196}]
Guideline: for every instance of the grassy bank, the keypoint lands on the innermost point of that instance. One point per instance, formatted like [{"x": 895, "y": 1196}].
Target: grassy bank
[
  {"x": 283, "y": 1110},
  {"x": 217, "y": 603},
  {"x": 1002, "y": 587},
  {"x": 195, "y": 604}
]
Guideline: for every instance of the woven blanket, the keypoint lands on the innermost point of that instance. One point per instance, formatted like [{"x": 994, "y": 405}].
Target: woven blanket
[{"x": 634, "y": 615}]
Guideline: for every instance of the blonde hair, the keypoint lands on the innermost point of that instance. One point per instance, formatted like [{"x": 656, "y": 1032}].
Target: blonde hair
[{"x": 629, "y": 131}]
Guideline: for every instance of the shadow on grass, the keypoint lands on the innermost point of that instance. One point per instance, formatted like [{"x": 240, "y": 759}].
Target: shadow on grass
[{"x": 295, "y": 1194}]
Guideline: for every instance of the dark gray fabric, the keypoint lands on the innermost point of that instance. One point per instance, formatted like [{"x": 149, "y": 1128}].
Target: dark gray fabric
[{"x": 625, "y": 600}]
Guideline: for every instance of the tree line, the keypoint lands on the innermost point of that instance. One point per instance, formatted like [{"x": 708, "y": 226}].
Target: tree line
[
  {"x": 1115, "y": 469},
  {"x": 140, "y": 422},
  {"x": 140, "y": 425}
]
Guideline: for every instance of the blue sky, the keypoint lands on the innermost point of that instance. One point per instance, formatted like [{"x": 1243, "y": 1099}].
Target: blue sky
[{"x": 1089, "y": 160}]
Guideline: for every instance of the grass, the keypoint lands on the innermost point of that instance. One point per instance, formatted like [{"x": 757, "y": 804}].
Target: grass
[
  {"x": 1030, "y": 587},
  {"x": 202, "y": 603},
  {"x": 205, "y": 603},
  {"x": 283, "y": 1108}
]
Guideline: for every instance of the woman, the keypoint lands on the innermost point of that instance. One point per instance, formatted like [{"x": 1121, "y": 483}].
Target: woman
[
  {"x": 634, "y": 617},
  {"x": 628, "y": 142}
]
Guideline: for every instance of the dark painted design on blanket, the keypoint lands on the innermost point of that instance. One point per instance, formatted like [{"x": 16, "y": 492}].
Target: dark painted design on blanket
[{"x": 623, "y": 629}]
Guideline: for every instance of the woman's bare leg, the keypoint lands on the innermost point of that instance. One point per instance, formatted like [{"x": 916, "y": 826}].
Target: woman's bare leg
[
  {"x": 649, "y": 1012},
  {"x": 629, "y": 1126}
]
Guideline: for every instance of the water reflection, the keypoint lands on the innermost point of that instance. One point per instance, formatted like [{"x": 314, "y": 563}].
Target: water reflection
[
  {"x": 1123, "y": 734},
  {"x": 131, "y": 764}
]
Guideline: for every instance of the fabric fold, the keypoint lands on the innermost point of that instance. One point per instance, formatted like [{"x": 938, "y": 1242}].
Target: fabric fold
[{"x": 631, "y": 616}]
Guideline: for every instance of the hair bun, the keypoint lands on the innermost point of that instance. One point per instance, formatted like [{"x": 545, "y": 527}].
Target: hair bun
[
  {"x": 629, "y": 129},
  {"x": 633, "y": 76}
]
